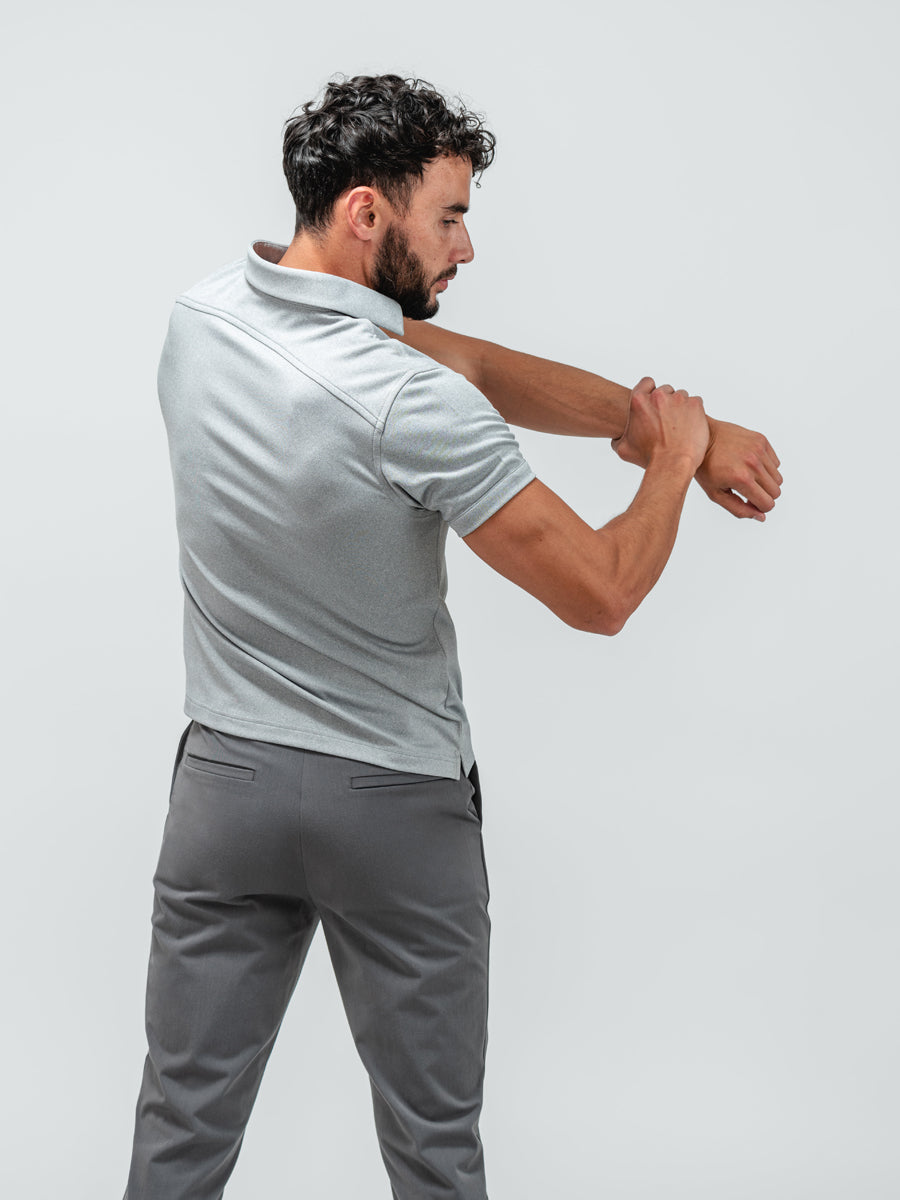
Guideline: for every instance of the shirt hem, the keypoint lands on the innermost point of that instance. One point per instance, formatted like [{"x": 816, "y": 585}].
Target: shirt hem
[{"x": 304, "y": 739}]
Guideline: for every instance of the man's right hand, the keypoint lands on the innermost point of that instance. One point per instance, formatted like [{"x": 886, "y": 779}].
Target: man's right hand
[
  {"x": 594, "y": 579},
  {"x": 663, "y": 423}
]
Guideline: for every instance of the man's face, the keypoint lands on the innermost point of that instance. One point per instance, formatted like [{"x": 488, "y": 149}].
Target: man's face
[{"x": 420, "y": 251}]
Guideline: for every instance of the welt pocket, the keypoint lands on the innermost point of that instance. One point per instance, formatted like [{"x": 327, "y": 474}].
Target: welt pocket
[
  {"x": 227, "y": 770},
  {"x": 390, "y": 779}
]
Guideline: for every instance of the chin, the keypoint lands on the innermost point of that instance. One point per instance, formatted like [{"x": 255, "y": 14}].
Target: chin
[{"x": 420, "y": 312}]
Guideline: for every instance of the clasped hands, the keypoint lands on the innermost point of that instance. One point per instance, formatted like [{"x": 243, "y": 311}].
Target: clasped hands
[{"x": 739, "y": 470}]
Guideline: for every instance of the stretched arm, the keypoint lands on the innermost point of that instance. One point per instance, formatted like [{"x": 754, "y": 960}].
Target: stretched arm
[
  {"x": 536, "y": 393},
  {"x": 594, "y": 579},
  {"x": 531, "y": 392}
]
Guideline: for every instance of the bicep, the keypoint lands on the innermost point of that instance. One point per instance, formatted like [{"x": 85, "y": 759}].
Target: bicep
[
  {"x": 454, "y": 350},
  {"x": 539, "y": 543}
]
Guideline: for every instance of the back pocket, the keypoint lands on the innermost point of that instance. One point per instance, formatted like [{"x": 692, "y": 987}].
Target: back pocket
[
  {"x": 228, "y": 770},
  {"x": 391, "y": 779}
]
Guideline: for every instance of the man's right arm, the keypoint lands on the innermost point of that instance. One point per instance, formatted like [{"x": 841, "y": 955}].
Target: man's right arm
[
  {"x": 554, "y": 398},
  {"x": 594, "y": 579}
]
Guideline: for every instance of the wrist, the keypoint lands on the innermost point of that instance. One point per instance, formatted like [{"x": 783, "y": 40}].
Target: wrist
[
  {"x": 673, "y": 461},
  {"x": 713, "y": 434}
]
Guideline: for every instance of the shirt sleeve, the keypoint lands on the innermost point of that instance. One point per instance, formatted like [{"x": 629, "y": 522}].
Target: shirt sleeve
[{"x": 445, "y": 448}]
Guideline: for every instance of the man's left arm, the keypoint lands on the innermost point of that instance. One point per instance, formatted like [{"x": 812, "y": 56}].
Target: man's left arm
[{"x": 740, "y": 471}]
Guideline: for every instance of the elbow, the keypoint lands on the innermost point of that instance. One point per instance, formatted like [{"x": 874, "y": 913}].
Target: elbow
[
  {"x": 605, "y": 615},
  {"x": 612, "y": 624},
  {"x": 608, "y": 593},
  {"x": 607, "y": 624}
]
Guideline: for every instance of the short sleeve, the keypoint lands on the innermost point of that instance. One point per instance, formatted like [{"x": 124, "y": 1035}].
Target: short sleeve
[{"x": 445, "y": 448}]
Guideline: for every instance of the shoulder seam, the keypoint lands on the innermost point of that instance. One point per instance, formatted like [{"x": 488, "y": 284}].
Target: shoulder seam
[
  {"x": 378, "y": 432},
  {"x": 276, "y": 348}
]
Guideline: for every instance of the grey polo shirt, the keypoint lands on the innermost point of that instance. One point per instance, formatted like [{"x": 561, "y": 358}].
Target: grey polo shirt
[{"x": 317, "y": 465}]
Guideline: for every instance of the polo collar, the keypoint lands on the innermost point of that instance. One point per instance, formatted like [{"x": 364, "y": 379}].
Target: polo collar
[{"x": 318, "y": 289}]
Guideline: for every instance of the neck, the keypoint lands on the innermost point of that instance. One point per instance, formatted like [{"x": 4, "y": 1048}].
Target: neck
[{"x": 308, "y": 253}]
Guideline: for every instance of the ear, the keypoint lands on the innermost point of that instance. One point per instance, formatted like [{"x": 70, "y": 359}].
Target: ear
[{"x": 364, "y": 208}]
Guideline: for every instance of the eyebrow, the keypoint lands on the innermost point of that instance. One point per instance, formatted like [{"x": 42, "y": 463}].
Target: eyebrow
[{"x": 456, "y": 208}]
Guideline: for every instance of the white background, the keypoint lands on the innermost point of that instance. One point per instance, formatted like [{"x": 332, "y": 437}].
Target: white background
[{"x": 692, "y": 828}]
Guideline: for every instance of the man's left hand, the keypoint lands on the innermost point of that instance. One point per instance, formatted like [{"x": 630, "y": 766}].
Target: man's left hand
[{"x": 740, "y": 463}]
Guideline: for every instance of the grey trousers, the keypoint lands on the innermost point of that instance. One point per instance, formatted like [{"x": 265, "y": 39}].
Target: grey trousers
[{"x": 261, "y": 843}]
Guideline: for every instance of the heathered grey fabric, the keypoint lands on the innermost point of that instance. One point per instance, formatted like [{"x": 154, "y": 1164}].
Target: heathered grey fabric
[{"x": 317, "y": 465}]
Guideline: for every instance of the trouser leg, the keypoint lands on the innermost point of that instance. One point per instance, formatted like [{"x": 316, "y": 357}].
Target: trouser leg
[
  {"x": 396, "y": 868},
  {"x": 231, "y": 928}
]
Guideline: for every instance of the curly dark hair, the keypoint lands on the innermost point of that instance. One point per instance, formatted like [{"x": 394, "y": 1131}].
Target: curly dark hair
[{"x": 375, "y": 130}]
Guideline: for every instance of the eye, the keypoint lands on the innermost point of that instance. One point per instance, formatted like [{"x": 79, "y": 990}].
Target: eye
[{"x": 450, "y": 221}]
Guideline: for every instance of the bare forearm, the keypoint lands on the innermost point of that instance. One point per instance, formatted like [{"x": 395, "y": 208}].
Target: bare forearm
[
  {"x": 635, "y": 546},
  {"x": 536, "y": 393},
  {"x": 531, "y": 392},
  {"x": 593, "y": 579},
  {"x": 553, "y": 398}
]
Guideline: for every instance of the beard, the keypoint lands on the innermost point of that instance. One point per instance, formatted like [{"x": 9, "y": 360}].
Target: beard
[{"x": 399, "y": 274}]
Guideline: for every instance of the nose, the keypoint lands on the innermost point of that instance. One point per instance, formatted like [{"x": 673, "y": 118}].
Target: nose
[{"x": 465, "y": 251}]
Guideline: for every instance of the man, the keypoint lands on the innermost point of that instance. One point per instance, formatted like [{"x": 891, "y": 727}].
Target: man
[{"x": 327, "y": 774}]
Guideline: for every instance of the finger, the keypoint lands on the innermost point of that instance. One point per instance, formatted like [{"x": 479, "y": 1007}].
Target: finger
[
  {"x": 771, "y": 480},
  {"x": 733, "y": 503},
  {"x": 772, "y": 462},
  {"x": 753, "y": 479},
  {"x": 771, "y": 455},
  {"x": 759, "y": 497},
  {"x": 774, "y": 474},
  {"x": 761, "y": 480},
  {"x": 749, "y": 483},
  {"x": 763, "y": 449},
  {"x": 647, "y": 386},
  {"x": 665, "y": 387}
]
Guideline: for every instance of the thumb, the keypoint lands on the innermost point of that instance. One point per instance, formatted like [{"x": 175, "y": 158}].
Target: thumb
[{"x": 647, "y": 385}]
